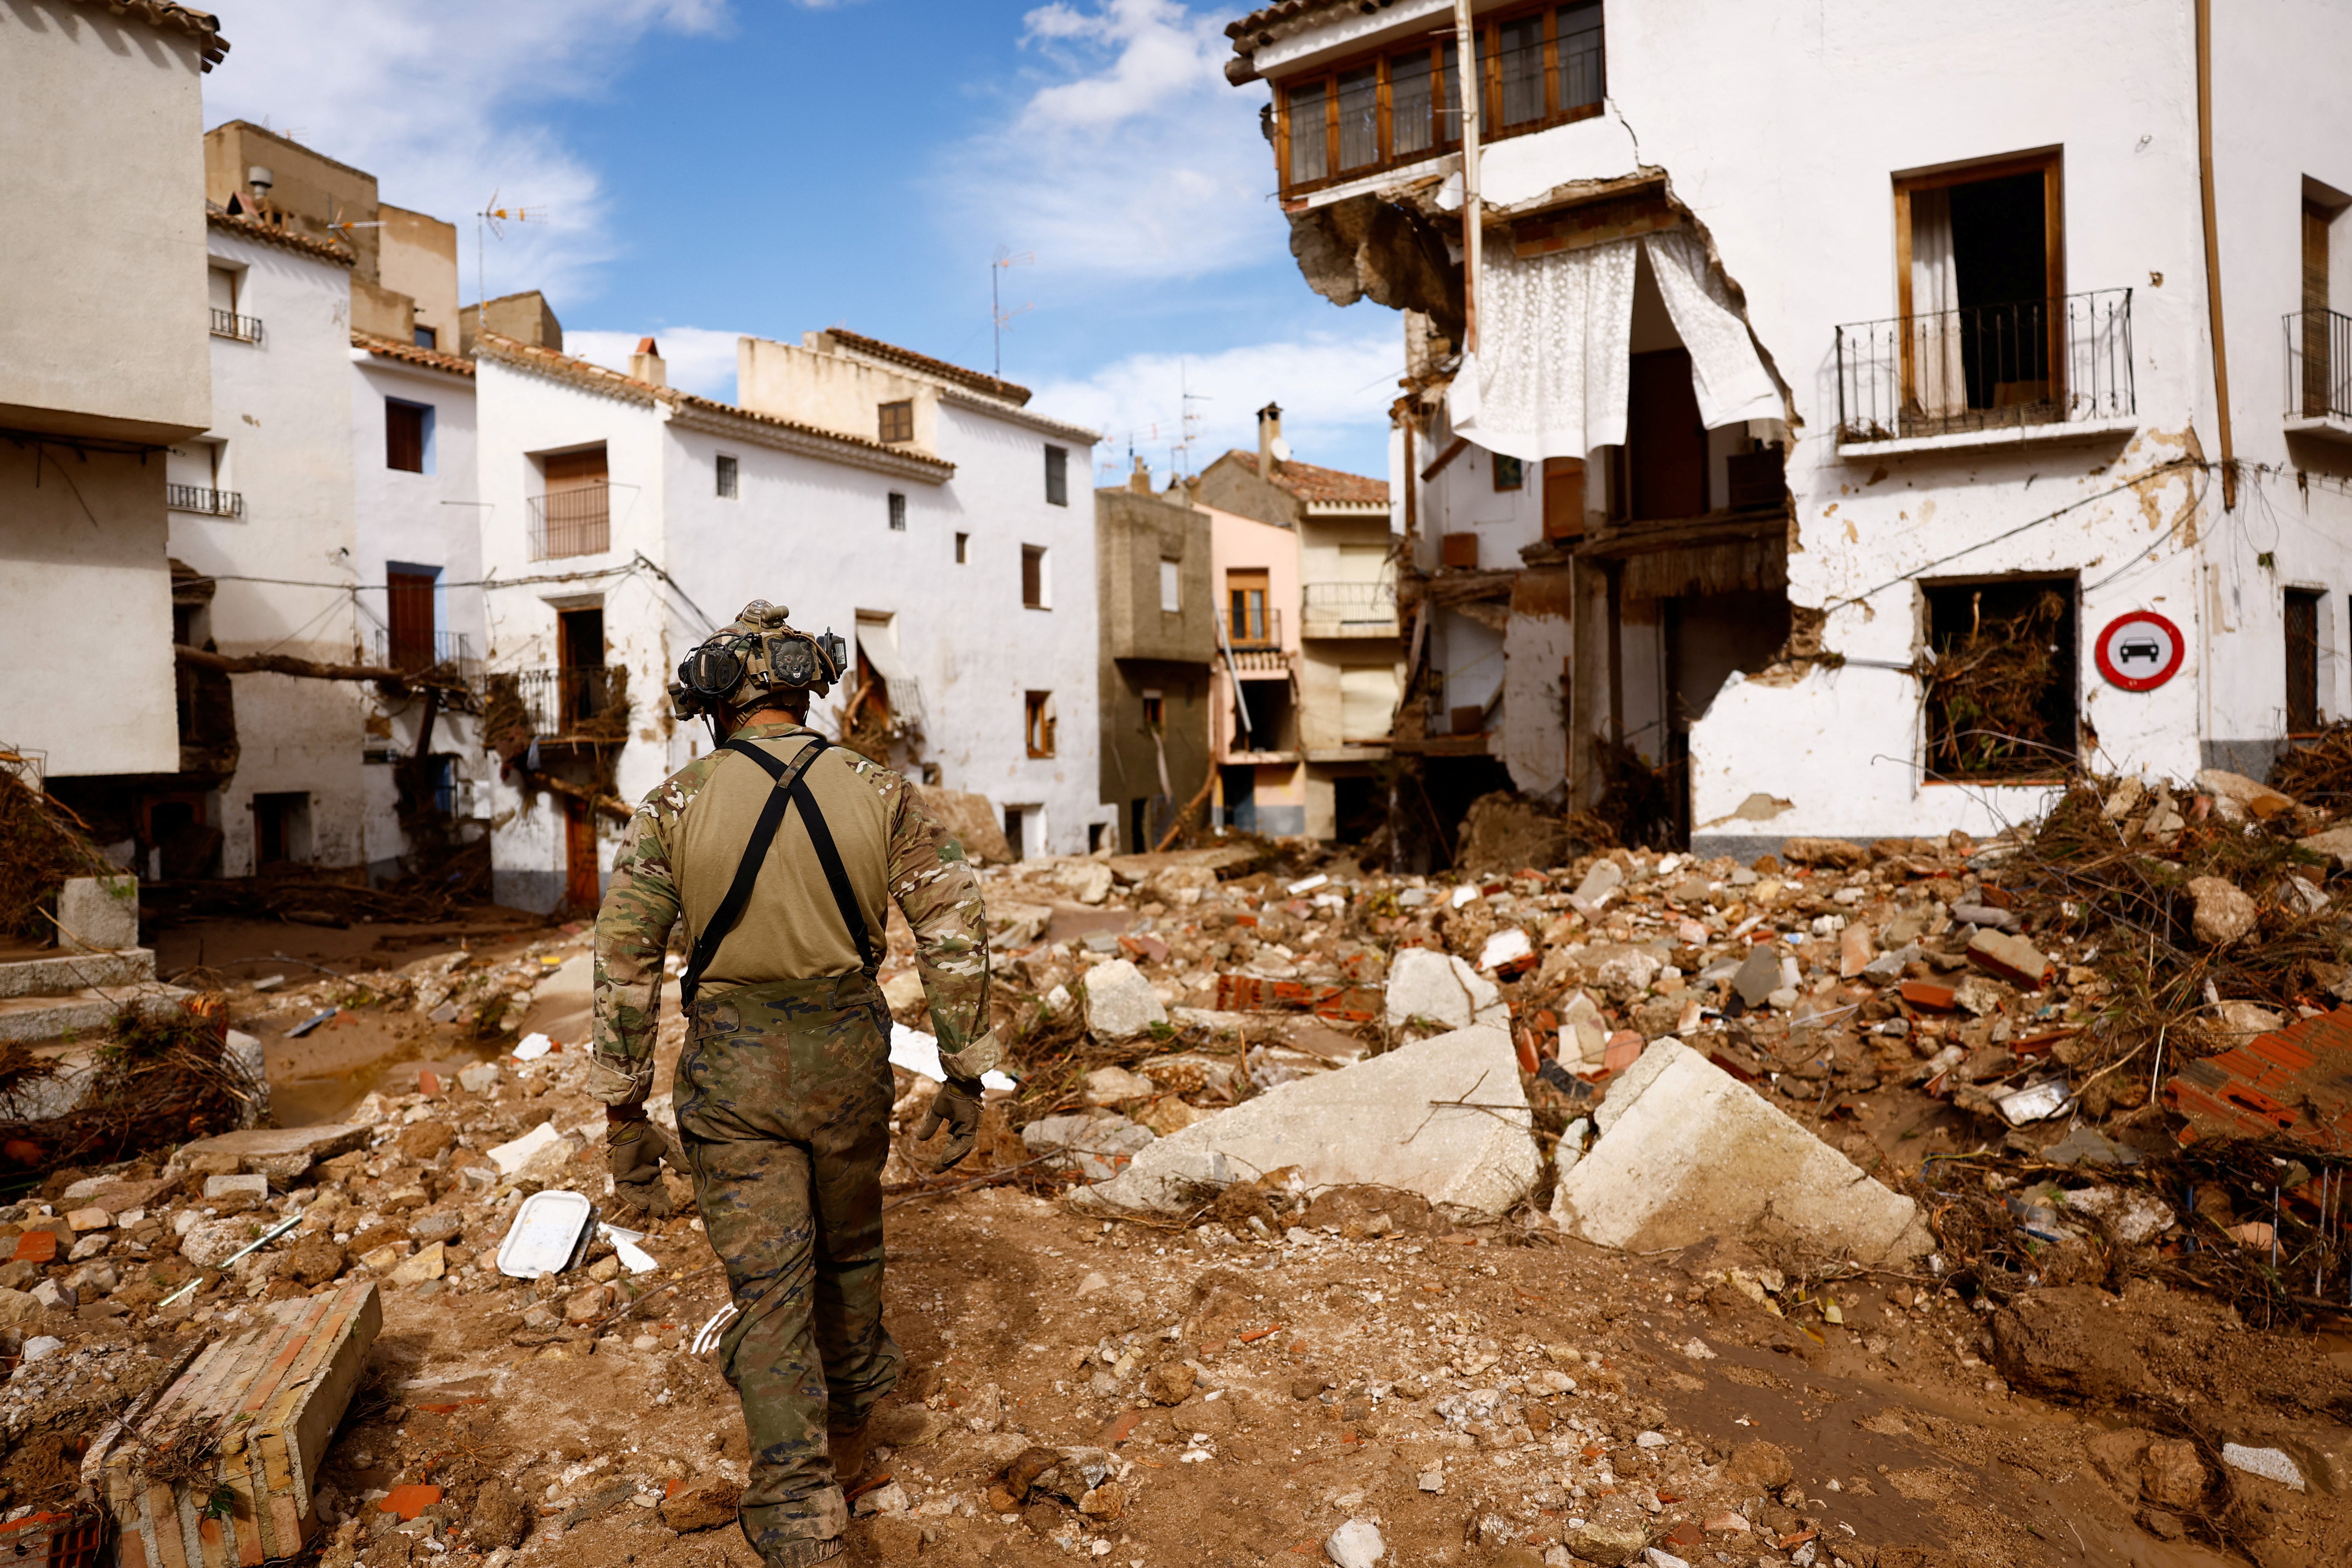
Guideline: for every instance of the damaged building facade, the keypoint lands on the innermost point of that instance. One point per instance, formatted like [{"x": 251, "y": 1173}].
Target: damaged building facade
[
  {"x": 1759, "y": 477},
  {"x": 920, "y": 510}
]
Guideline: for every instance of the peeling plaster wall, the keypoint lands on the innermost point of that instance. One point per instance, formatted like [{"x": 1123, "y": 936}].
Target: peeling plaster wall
[
  {"x": 516, "y": 415},
  {"x": 282, "y": 426},
  {"x": 417, "y": 519},
  {"x": 1749, "y": 115}
]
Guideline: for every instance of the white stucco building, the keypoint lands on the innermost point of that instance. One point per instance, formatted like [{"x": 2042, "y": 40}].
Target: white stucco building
[
  {"x": 1805, "y": 359},
  {"x": 918, "y": 508},
  {"x": 417, "y": 537},
  {"x": 103, "y": 366},
  {"x": 261, "y": 520}
]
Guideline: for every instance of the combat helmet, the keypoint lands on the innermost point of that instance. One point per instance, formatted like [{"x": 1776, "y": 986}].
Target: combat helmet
[{"x": 756, "y": 654}]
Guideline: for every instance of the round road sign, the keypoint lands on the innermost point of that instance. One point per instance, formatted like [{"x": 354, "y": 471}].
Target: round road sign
[{"x": 2141, "y": 650}]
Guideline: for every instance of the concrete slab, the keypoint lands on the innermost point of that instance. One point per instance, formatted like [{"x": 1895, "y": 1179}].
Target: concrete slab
[
  {"x": 72, "y": 971},
  {"x": 283, "y": 1153},
  {"x": 1691, "y": 1154},
  {"x": 1443, "y": 989},
  {"x": 34, "y": 1020},
  {"x": 1381, "y": 1121},
  {"x": 98, "y": 914}
]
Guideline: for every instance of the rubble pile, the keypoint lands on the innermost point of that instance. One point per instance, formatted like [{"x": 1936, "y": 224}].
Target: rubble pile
[{"x": 1812, "y": 1211}]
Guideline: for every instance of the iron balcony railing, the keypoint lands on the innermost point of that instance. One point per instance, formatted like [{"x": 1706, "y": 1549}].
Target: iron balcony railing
[
  {"x": 206, "y": 503},
  {"x": 1350, "y": 610},
  {"x": 572, "y": 699},
  {"x": 572, "y": 522},
  {"x": 2066, "y": 361},
  {"x": 229, "y": 324},
  {"x": 409, "y": 651},
  {"x": 1259, "y": 628},
  {"x": 2318, "y": 364}
]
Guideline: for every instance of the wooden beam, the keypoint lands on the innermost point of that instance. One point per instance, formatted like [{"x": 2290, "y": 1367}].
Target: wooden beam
[{"x": 1445, "y": 458}]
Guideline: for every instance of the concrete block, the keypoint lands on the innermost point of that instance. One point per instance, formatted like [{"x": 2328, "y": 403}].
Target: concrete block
[
  {"x": 270, "y": 1398},
  {"x": 1120, "y": 1002},
  {"x": 1388, "y": 1121},
  {"x": 1427, "y": 983},
  {"x": 98, "y": 914},
  {"x": 283, "y": 1153},
  {"x": 256, "y": 1187},
  {"x": 2011, "y": 958},
  {"x": 1689, "y": 1153}
]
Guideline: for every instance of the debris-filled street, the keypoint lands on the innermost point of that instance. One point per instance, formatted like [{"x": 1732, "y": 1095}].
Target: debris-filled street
[{"x": 1812, "y": 1211}]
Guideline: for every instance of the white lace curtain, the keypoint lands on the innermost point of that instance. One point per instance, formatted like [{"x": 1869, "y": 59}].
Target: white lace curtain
[{"x": 1557, "y": 333}]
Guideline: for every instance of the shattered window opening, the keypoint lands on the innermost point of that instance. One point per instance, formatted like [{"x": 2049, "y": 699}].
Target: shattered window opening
[{"x": 1998, "y": 679}]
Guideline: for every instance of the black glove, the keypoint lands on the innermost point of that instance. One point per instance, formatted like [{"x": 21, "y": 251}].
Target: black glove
[
  {"x": 957, "y": 1105},
  {"x": 638, "y": 1148}
]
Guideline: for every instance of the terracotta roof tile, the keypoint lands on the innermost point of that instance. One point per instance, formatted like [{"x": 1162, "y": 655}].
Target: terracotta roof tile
[
  {"x": 269, "y": 234},
  {"x": 1313, "y": 485},
  {"x": 202, "y": 26},
  {"x": 1244, "y": 32},
  {"x": 409, "y": 354},
  {"x": 874, "y": 348},
  {"x": 597, "y": 378}
]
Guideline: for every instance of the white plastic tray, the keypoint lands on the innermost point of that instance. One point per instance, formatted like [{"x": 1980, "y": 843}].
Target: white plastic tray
[{"x": 545, "y": 1233}]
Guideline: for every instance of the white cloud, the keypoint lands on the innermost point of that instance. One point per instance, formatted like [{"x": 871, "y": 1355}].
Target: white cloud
[
  {"x": 699, "y": 359},
  {"x": 436, "y": 99},
  {"x": 1129, "y": 158},
  {"x": 1334, "y": 390}
]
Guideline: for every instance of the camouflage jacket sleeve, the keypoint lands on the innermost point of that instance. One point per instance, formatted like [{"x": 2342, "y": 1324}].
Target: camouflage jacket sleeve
[
  {"x": 633, "y": 926},
  {"x": 937, "y": 890}
]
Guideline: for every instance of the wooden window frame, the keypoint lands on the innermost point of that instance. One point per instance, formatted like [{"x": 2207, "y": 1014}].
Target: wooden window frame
[
  {"x": 398, "y": 411},
  {"x": 1038, "y": 722},
  {"x": 2050, "y": 165},
  {"x": 1488, "y": 42},
  {"x": 896, "y": 421}
]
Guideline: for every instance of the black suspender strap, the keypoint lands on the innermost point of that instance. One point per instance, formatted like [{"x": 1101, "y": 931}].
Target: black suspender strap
[{"x": 755, "y": 854}]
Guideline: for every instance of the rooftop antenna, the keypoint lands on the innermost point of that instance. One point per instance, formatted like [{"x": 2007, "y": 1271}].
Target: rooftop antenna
[
  {"x": 345, "y": 227},
  {"x": 999, "y": 316},
  {"x": 494, "y": 218},
  {"x": 1189, "y": 420}
]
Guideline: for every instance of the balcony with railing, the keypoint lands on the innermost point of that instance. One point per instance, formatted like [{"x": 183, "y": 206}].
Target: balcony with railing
[
  {"x": 2018, "y": 367},
  {"x": 583, "y": 702},
  {"x": 202, "y": 501},
  {"x": 239, "y": 329},
  {"x": 2319, "y": 371},
  {"x": 572, "y": 522},
  {"x": 412, "y": 652},
  {"x": 1348, "y": 610}
]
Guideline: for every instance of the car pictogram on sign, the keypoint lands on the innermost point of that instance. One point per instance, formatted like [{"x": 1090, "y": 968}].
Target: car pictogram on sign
[{"x": 2140, "y": 650}]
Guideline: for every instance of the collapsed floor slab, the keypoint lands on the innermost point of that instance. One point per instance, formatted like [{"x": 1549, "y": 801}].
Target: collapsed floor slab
[
  {"x": 1689, "y": 1153},
  {"x": 1444, "y": 1117}
]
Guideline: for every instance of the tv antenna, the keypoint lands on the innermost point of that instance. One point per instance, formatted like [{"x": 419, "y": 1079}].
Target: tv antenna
[
  {"x": 345, "y": 227},
  {"x": 999, "y": 317},
  {"x": 494, "y": 218}
]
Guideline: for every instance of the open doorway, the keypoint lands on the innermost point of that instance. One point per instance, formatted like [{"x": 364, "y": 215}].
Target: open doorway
[{"x": 281, "y": 829}]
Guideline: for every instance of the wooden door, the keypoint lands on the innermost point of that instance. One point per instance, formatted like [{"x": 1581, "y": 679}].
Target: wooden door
[
  {"x": 581, "y": 884},
  {"x": 409, "y": 610},
  {"x": 1666, "y": 444},
  {"x": 2302, "y": 661},
  {"x": 1563, "y": 498}
]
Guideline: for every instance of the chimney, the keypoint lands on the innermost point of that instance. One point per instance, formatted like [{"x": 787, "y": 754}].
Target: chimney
[
  {"x": 1140, "y": 481},
  {"x": 1271, "y": 449},
  {"x": 645, "y": 364}
]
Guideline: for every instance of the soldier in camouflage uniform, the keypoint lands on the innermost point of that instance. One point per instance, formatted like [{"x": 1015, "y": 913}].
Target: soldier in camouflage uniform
[{"x": 783, "y": 1088}]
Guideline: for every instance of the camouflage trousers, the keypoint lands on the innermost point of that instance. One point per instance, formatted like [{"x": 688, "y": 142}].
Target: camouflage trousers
[{"x": 783, "y": 1110}]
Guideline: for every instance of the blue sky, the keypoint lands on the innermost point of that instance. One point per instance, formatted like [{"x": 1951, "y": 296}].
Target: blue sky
[{"x": 710, "y": 168}]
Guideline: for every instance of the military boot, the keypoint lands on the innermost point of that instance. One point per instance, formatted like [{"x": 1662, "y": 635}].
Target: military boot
[
  {"x": 802, "y": 1553},
  {"x": 849, "y": 1448}
]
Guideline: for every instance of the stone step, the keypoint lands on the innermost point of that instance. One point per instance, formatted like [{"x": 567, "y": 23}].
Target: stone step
[
  {"x": 33, "y": 1020},
  {"x": 55, "y": 974}
]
